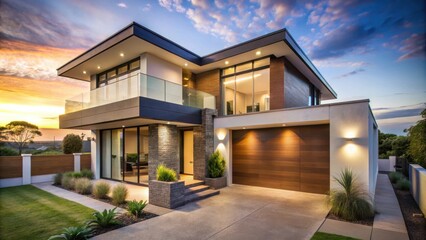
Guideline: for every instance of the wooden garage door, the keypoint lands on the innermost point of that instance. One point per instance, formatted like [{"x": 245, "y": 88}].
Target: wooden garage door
[{"x": 292, "y": 158}]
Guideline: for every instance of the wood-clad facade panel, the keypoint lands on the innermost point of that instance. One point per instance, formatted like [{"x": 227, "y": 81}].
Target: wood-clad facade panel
[
  {"x": 41, "y": 165},
  {"x": 292, "y": 158}
]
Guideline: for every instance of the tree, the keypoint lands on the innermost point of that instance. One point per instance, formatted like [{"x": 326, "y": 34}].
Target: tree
[
  {"x": 72, "y": 143},
  {"x": 2, "y": 135},
  {"x": 21, "y": 133},
  {"x": 417, "y": 136},
  {"x": 385, "y": 144}
]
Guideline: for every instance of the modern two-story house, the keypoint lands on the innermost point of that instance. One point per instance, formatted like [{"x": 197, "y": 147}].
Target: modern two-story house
[{"x": 152, "y": 101}]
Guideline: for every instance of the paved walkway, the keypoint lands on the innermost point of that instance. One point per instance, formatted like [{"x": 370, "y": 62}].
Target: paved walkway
[
  {"x": 75, "y": 197},
  {"x": 388, "y": 222},
  {"x": 238, "y": 212}
]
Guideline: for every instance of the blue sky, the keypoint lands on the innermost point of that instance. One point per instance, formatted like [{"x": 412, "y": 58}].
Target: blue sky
[{"x": 364, "y": 49}]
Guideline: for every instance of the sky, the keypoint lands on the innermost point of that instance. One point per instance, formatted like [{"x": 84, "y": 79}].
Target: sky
[{"x": 364, "y": 49}]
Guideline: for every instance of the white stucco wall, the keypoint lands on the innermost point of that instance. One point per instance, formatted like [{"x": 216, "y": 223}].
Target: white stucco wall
[
  {"x": 353, "y": 137},
  {"x": 95, "y": 153},
  {"x": 157, "y": 67}
]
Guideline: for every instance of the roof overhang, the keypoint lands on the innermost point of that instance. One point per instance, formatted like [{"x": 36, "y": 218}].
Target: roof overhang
[{"x": 135, "y": 39}]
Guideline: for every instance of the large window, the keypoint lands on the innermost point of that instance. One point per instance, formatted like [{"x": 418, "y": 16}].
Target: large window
[
  {"x": 245, "y": 87},
  {"x": 117, "y": 73},
  {"x": 124, "y": 154}
]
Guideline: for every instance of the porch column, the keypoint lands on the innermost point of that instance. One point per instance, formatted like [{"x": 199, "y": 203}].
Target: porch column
[
  {"x": 203, "y": 143},
  {"x": 163, "y": 148}
]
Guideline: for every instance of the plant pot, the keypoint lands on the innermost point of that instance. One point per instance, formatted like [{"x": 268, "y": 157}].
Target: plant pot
[
  {"x": 167, "y": 194},
  {"x": 216, "y": 183}
]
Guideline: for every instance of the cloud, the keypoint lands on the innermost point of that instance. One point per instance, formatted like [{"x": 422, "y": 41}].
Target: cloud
[
  {"x": 413, "y": 47},
  {"x": 201, "y": 4},
  {"x": 41, "y": 25},
  {"x": 341, "y": 41},
  {"x": 122, "y": 5},
  {"x": 339, "y": 64},
  {"x": 399, "y": 112},
  {"x": 351, "y": 73},
  {"x": 172, "y": 5},
  {"x": 147, "y": 7}
]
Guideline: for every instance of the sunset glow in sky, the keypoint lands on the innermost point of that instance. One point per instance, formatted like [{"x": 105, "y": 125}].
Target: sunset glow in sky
[{"x": 364, "y": 49}]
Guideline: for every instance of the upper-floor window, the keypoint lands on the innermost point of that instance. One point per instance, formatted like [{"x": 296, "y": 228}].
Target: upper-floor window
[
  {"x": 117, "y": 73},
  {"x": 245, "y": 87}
]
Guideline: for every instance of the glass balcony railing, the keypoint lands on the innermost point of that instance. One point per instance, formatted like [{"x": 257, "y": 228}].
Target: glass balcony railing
[{"x": 140, "y": 85}]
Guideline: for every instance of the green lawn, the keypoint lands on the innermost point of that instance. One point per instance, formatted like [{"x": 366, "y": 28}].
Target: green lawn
[
  {"x": 27, "y": 212},
  {"x": 328, "y": 236}
]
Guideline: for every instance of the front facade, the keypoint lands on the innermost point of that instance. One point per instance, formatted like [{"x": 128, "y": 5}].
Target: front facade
[{"x": 258, "y": 103}]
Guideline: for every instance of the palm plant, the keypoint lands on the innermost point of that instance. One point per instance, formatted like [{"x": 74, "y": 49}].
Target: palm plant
[
  {"x": 349, "y": 202},
  {"x": 104, "y": 219},
  {"x": 75, "y": 233}
]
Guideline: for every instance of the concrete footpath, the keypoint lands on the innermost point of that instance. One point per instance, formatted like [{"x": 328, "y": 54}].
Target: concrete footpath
[{"x": 388, "y": 222}]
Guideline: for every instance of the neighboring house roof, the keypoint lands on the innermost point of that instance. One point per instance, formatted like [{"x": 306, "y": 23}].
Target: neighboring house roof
[{"x": 135, "y": 39}]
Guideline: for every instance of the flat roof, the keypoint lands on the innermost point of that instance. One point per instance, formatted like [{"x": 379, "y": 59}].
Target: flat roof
[{"x": 135, "y": 39}]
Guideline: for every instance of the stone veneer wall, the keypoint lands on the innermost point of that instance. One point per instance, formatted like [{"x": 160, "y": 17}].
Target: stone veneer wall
[
  {"x": 163, "y": 148},
  {"x": 203, "y": 143},
  {"x": 167, "y": 194}
]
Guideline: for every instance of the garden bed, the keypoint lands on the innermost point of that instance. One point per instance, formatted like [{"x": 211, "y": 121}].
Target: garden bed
[
  {"x": 368, "y": 221},
  {"x": 125, "y": 219},
  {"x": 416, "y": 226}
]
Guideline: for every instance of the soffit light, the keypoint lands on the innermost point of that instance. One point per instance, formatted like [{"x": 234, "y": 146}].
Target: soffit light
[
  {"x": 258, "y": 53},
  {"x": 84, "y": 72},
  {"x": 168, "y": 122},
  {"x": 284, "y": 124},
  {"x": 121, "y": 54},
  {"x": 244, "y": 127},
  {"x": 186, "y": 64},
  {"x": 226, "y": 62},
  {"x": 99, "y": 67}
]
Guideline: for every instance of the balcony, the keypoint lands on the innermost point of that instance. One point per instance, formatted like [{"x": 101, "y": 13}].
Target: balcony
[{"x": 140, "y": 85}]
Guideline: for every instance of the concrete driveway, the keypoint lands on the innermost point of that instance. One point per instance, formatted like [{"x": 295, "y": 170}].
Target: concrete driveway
[{"x": 239, "y": 212}]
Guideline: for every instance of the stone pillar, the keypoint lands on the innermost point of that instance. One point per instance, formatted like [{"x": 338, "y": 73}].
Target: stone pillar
[
  {"x": 203, "y": 143},
  {"x": 77, "y": 162},
  {"x": 163, "y": 148},
  {"x": 26, "y": 169}
]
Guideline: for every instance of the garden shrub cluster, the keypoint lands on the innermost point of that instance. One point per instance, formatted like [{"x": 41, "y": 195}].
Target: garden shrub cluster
[
  {"x": 119, "y": 194},
  {"x": 72, "y": 143},
  {"x": 101, "y": 189},
  {"x": 216, "y": 165},
  {"x": 165, "y": 174},
  {"x": 399, "y": 179}
]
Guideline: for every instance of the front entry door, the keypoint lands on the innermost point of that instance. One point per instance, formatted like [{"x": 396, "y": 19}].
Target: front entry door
[{"x": 188, "y": 152}]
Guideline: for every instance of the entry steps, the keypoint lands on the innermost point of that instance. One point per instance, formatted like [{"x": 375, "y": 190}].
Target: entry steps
[{"x": 196, "y": 190}]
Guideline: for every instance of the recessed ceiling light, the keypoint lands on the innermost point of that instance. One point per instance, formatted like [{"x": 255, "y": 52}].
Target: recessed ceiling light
[
  {"x": 123, "y": 126},
  {"x": 168, "y": 122},
  {"x": 226, "y": 62},
  {"x": 186, "y": 64},
  {"x": 121, "y": 54},
  {"x": 185, "y": 85},
  {"x": 258, "y": 53},
  {"x": 84, "y": 72},
  {"x": 283, "y": 124},
  {"x": 244, "y": 127},
  {"x": 99, "y": 67},
  {"x": 185, "y": 78}
]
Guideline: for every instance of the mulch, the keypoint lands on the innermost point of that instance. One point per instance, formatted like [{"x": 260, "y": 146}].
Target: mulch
[{"x": 416, "y": 226}]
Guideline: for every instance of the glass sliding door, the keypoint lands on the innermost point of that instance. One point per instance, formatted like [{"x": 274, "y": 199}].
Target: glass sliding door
[
  {"x": 117, "y": 154},
  {"x": 143, "y": 154},
  {"x": 131, "y": 161}
]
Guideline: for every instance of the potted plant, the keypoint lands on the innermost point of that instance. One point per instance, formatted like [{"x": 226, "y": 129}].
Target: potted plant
[
  {"x": 166, "y": 191},
  {"x": 216, "y": 171}
]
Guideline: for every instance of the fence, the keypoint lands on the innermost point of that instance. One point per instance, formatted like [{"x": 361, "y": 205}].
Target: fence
[
  {"x": 27, "y": 169},
  {"x": 417, "y": 176}
]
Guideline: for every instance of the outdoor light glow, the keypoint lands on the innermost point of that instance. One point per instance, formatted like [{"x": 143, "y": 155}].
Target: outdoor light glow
[
  {"x": 99, "y": 67},
  {"x": 258, "y": 53},
  {"x": 221, "y": 134},
  {"x": 84, "y": 72},
  {"x": 186, "y": 64},
  {"x": 226, "y": 62}
]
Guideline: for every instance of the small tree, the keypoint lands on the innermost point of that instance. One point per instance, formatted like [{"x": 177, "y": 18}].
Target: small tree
[
  {"x": 72, "y": 143},
  {"x": 21, "y": 133},
  {"x": 417, "y": 137}
]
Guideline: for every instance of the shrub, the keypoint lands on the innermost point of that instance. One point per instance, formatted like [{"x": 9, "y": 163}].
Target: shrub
[
  {"x": 6, "y": 151},
  {"x": 75, "y": 233},
  {"x": 68, "y": 181},
  {"x": 72, "y": 143},
  {"x": 101, "y": 189},
  {"x": 165, "y": 174},
  {"x": 350, "y": 203},
  {"x": 57, "y": 179},
  {"x": 77, "y": 175},
  {"x": 216, "y": 165},
  {"x": 403, "y": 184},
  {"x": 83, "y": 186},
  {"x": 119, "y": 194},
  {"x": 395, "y": 176},
  {"x": 87, "y": 173},
  {"x": 104, "y": 219},
  {"x": 134, "y": 207}
]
